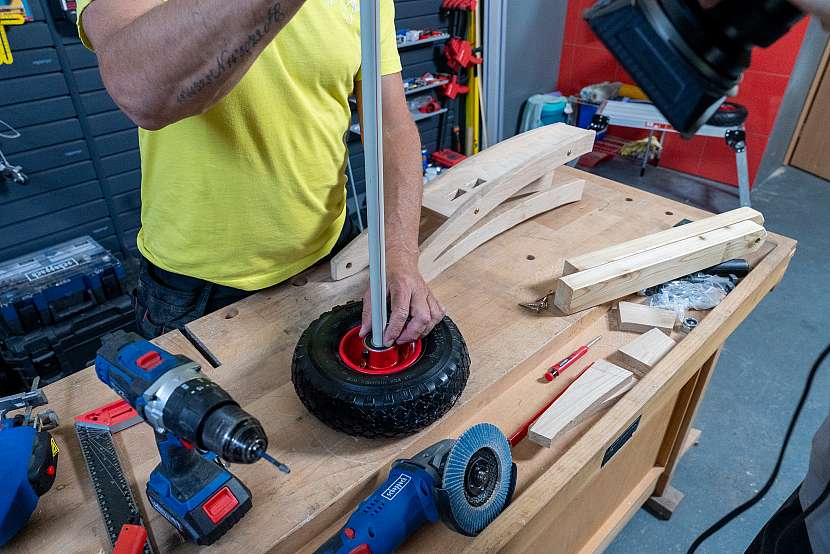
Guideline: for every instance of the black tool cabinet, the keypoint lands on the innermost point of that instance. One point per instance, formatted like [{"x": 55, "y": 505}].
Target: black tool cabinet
[{"x": 81, "y": 153}]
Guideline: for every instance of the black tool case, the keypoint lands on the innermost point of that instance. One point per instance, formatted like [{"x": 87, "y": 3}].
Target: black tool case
[{"x": 55, "y": 304}]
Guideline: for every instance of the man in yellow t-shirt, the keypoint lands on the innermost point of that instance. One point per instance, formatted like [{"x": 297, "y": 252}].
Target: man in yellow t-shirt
[{"x": 242, "y": 108}]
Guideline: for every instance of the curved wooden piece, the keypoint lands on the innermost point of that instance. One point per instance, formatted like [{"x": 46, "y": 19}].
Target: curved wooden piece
[
  {"x": 468, "y": 192},
  {"x": 513, "y": 213}
]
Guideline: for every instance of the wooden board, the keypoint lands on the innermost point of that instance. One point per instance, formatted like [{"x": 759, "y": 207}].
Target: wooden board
[
  {"x": 331, "y": 472},
  {"x": 597, "y": 384},
  {"x": 628, "y": 275},
  {"x": 643, "y": 353},
  {"x": 639, "y": 318},
  {"x": 663, "y": 238}
]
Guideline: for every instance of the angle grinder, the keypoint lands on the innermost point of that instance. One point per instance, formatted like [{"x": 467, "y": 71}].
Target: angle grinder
[
  {"x": 465, "y": 482},
  {"x": 685, "y": 57}
]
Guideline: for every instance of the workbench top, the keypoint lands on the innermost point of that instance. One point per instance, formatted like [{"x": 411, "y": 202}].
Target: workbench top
[{"x": 253, "y": 342}]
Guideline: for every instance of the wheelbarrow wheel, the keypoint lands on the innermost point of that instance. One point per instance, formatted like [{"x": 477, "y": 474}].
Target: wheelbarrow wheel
[{"x": 375, "y": 405}]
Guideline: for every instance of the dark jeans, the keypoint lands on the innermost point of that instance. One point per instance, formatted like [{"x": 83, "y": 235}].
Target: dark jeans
[{"x": 165, "y": 300}]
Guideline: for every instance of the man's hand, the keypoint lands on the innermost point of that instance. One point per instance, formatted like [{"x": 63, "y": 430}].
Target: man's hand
[{"x": 414, "y": 310}]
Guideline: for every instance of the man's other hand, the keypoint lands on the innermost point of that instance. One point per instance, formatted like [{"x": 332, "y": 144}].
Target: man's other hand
[{"x": 414, "y": 310}]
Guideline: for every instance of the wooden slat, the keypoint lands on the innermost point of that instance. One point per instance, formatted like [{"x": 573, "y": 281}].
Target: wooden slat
[
  {"x": 597, "y": 384},
  {"x": 619, "y": 278},
  {"x": 656, "y": 240},
  {"x": 639, "y": 318},
  {"x": 644, "y": 352}
]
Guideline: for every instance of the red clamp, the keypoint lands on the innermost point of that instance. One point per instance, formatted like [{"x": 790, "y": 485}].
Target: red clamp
[
  {"x": 430, "y": 107},
  {"x": 459, "y": 54},
  {"x": 454, "y": 88},
  {"x": 468, "y": 5}
]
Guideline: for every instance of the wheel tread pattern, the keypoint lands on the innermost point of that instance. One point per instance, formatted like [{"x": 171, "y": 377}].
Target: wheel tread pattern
[{"x": 393, "y": 412}]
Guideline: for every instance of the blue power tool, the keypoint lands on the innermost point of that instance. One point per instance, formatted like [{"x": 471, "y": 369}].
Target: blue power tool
[
  {"x": 466, "y": 483},
  {"x": 30, "y": 459},
  {"x": 196, "y": 423}
]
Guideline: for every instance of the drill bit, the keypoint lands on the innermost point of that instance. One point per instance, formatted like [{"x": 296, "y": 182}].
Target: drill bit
[{"x": 278, "y": 464}]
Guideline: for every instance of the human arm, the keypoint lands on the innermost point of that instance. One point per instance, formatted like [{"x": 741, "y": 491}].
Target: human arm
[
  {"x": 164, "y": 61},
  {"x": 414, "y": 309}
]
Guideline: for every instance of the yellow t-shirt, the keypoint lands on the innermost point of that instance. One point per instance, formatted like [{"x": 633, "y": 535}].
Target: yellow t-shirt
[{"x": 253, "y": 191}]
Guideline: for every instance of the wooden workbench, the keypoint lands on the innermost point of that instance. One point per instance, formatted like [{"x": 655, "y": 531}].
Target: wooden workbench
[{"x": 564, "y": 496}]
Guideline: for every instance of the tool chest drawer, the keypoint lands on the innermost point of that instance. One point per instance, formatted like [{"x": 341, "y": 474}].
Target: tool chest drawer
[
  {"x": 30, "y": 35},
  {"x": 89, "y": 79},
  {"x": 39, "y": 111},
  {"x": 97, "y": 102},
  {"x": 117, "y": 142},
  {"x": 125, "y": 182},
  {"x": 80, "y": 57},
  {"x": 42, "y": 226},
  {"x": 49, "y": 181},
  {"x": 109, "y": 122},
  {"x": 32, "y": 62},
  {"x": 120, "y": 163},
  {"x": 16, "y": 91},
  {"x": 51, "y": 157},
  {"x": 102, "y": 230},
  {"x": 43, "y": 134},
  {"x": 53, "y": 201}
]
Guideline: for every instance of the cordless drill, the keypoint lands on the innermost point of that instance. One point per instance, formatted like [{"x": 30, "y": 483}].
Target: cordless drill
[{"x": 195, "y": 422}]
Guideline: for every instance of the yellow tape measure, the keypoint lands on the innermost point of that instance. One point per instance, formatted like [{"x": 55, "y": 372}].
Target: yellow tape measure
[{"x": 6, "y": 50}]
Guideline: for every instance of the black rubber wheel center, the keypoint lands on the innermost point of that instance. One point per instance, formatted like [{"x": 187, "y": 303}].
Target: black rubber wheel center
[{"x": 481, "y": 477}]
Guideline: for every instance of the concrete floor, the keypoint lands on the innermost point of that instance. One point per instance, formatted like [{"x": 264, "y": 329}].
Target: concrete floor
[{"x": 760, "y": 376}]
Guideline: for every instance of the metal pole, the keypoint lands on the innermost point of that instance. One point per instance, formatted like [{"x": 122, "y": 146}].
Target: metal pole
[
  {"x": 743, "y": 176},
  {"x": 373, "y": 158}
]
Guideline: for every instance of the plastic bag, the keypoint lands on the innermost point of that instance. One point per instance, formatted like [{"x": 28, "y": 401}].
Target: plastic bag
[{"x": 698, "y": 291}]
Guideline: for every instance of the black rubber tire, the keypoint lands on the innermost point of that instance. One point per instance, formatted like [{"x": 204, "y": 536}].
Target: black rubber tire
[
  {"x": 376, "y": 406},
  {"x": 729, "y": 114}
]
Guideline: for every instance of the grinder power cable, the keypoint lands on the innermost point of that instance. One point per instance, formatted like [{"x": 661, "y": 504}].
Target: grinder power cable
[
  {"x": 465, "y": 482},
  {"x": 359, "y": 385}
]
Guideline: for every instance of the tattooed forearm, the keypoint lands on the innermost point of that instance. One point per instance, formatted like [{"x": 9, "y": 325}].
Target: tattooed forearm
[{"x": 229, "y": 59}]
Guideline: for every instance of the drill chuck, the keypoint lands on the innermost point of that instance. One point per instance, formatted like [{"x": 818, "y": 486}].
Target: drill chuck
[{"x": 234, "y": 434}]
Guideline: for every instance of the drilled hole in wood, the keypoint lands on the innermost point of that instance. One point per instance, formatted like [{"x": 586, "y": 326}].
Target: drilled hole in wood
[
  {"x": 531, "y": 257},
  {"x": 569, "y": 152},
  {"x": 231, "y": 313},
  {"x": 669, "y": 213},
  {"x": 458, "y": 194},
  {"x": 476, "y": 212},
  {"x": 349, "y": 265},
  {"x": 300, "y": 281},
  {"x": 629, "y": 200}
]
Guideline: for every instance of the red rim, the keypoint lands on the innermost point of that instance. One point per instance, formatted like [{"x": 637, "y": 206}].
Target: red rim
[{"x": 355, "y": 354}]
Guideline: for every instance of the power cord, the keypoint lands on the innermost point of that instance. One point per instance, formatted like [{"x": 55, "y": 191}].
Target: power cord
[{"x": 722, "y": 522}]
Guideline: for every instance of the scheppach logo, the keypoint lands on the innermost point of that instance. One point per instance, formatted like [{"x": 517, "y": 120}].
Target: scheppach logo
[
  {"x": 397, "y": 486},
  {"x": 50, "y": 269}
]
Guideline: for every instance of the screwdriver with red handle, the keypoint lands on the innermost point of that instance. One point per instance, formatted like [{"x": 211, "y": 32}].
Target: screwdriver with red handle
[{"x": 555, "y": 370}]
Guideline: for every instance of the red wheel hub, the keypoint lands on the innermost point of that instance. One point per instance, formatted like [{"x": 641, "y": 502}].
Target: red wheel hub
[{"x": 356, "y": 354}]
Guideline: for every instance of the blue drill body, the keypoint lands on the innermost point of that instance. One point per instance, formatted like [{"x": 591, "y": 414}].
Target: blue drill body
[{"x": 195, "y": 422}]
